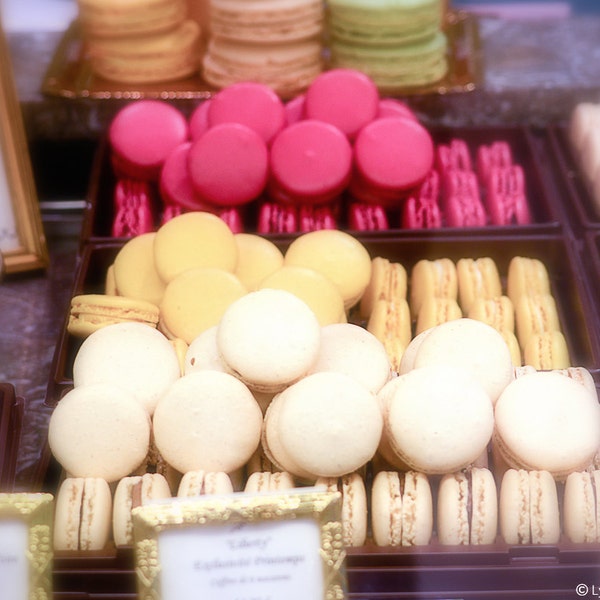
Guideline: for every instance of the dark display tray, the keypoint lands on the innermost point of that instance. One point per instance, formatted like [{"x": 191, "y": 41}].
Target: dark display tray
[
  {"x": 11, "y": 419},
  {"x": 528, "y": 150}
]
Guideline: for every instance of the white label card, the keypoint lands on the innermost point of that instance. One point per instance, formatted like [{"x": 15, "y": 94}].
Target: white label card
[
  {"x": 266, "y": 560},
  {"x": 14, "y": 566}
]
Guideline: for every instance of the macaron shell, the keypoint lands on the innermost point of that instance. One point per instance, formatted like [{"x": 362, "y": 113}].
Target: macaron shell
[
  {"x": 484, "y": 498},
  {"x": 497, "y": 312},
  {"x": 390, "y": 323},
  {"x": 514, "y": 507},
  {"x": 258, "y": 257},
  {"x": 432, "y": 278},
  {"x": 386, "y": 509},
  {"x": 388, "y": 279},
  {"x": 453, "y": 524},
  {"x": 544, "y": 509},
  {"x": 203, "y": 353},
  {"x": 547, "y": 351},
  {"x": 526, "y": 276},
  {"x": 435, "y": 311},
  {"x": 417, "y": 510},
  {"x": 580, "y": 507},
  {"x": 477, "y": 278},
  {"x": 199, "y": 482}
]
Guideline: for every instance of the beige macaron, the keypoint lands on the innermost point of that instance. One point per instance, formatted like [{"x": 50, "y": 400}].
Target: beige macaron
[
  {"x": 267, "y": 481},
  {"x": 82, "y": 514},
  {"x": 581, "y": 507},
  {"x": 207, "y": 420},
  {"x": 202, "y": 483},
  {"x": 269, "y": 339},
  {"x": 477, "y": 278},
  {"x": 203, "y": 353},
  {"x": 437, "y": 278},
  {"x": 131, "y": 492},
  {"x": 99, "y": 430}
]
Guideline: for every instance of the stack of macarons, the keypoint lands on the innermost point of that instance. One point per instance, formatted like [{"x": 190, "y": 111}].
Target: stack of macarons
[
  {"x": 140, "y": 41},
  {"x": 401, "y": 45},
  {"x": 279, "y": 44}
]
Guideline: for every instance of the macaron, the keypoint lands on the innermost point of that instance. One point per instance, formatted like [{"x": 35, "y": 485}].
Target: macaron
[
  {"x": 267, "y": 481},
  {"x": 467, "y": 508},
  {"x": 142, "y": 134},
  {"x": 401, "y": 509},
  {"x": 133, "y": 202},
  {"x": 461, "y": 200},
  {"x": 207, "y": 421},
  {"x": 435, "y": 311},
  {"x": 436, "y": 277},
  {"x": 337, "y": 255},
  {"x": 196, "y": 299},
  {"x": 421, "y": 210},
  {"x": 99, "y": 431},
  {"x": 203, "y": 354},
  {"x": 351, "y": 349},
  {"x": 134, "y": 271},
  {"x": 346, "y": 98},
  {"x": 130, "y": 493},
  {"x": 229, "y": 164},
  {"x": 202, "y": 483},
  {"x": 477, "y": 278},
  {"x": 315, "y": 289},
  {"x": 258, "y": 257},
  {"x": 454, "y": 154},
  {"x": 310, "y": 161},
  {"x": 471, "y": 345},
  {"x": 90, "y": 312},
  {"x": 506, "y": 198},
  {"x": 580, "y": 509},
  {"x": 250, "y": 103},
  {"x": 367, "y": 217},
  {"x": 82, "y": 514},
  {"x": 567, "y": 424},
  {"x": 494, "y": 155},
  {"x": 526, "y": 275},
  {"x": 498, "y": 312},
  {"x": 194, "y": 239},
  {"x": 388, "y": 280},
  {"x": 269, "y": 339},
  {"x": 547, "y": 350},
  {"x": 310, "y": 428},
  {"x": 354, "y": 506},
  {"x": 437, "y": 419},
  {"x": 535, "y": 313},
  {"x": 276, "y": 217},
  {"x": 528, "y": 507},
  {"x": 312, "y": 217},
  {"x": 133, "y": 356}
]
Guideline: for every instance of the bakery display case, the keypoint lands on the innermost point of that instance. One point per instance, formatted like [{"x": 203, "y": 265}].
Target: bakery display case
[{"x": 564, "y": 233}]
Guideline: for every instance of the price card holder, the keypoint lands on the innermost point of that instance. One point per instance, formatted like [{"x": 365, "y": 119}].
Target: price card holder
[
  {"x": 26, "y": 546},
  {"x": 241, "y": 547}
]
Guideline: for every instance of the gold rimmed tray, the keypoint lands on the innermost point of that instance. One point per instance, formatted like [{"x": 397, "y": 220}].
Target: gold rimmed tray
[{"x": 70, "y": 74}]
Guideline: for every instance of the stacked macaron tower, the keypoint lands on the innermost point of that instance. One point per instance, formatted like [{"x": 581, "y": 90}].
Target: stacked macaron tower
[
  {"x": 400, "y": 44},
  {"x": 278, "y": 43},
  {"x": 140, "y": 41}
]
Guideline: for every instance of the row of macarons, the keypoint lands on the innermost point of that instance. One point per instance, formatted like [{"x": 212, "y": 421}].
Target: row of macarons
[{"x": 397, "y": 508}]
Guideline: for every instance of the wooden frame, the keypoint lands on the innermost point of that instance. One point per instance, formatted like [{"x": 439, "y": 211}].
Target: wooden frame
[{"x": 22, "y": 239}]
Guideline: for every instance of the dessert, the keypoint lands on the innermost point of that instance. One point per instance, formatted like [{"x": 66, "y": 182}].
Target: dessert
[
  {"x": 133, "y": 356},
  {"x": 401, "y": 509},
  {"x": 130, "y": 493},
  {"x": 566, "y": 434},
  {"x": 477, "y": 278},
  {"x": 388, "y": 281},
  {"x": 505, "y": 196},
  {"x": 528, "y": 508},
  {"x": 461, "y": 200},
  {"x": 134, "y": 214},
  {"x": 274, "y": 217},
  {"x": 207, "y": 421},
  {"x": 527, "y": 276},
  {"x": 547, "y": 350},
  {"x": 337, "y": 255},
  {"x": 535, "y": 313},
  {"x": 269, "y": 338},
  {"x": 203, "y": 353},
  {"x": 200, "y": 483},
  {"x": 438, "y": 419},
  {"x": 367, "y": 217},
  {"x": 267, "y": 481},
  {"x": 580, "y": 507},
  {"x": 496, "y": 311},
  {"x": 258, "y": 257},
  {"x": 453, "y": 155},
  {"x": 435, "y": 311},
  {"x": 437, "y": 278},
  {"x": 82, "y": 514},
  {"x": 90, "y": 312},
  {"x": 421, "y": 209},
  {"x": 99, "y": 431},
  {"x": 467, "y": 508},
  {"x": 312, "y": 217}
]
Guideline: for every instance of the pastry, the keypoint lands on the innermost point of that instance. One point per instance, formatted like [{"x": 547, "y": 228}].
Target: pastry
[
  {"x": 528, "y": 508},
  {"x": 267, "y": 481},
  {"x": 228, "y": 165},
  {"x": 348, "y": 262},
  {"x": 310, "y": 162},
  {"x": 437, "y": 278},
  {"x": 453, "y": 155},
  {"x": 249, "y": 103},
  {"x": 477, "y": 278},
  {"x": 202, "y": 483},
  {"x": 547, "y": 350},
  {"x": 461, "y": 200},
  {"x": 506, "y": 198},
  {"x": 275, "y": 217},
  {"x": 100, "y": 431},
  {"x": 203, "y": 354},
  {"x": 82, "y": 514},
  {"x": 194, "y": 239},
  {"x": 141, "y": 136},
  {"x": 354, "y": 506},
  {"x": 310, "y": 428},
  {"x": 198, "y": 119},
  {"x": 312, "y": 287},
  {"x": 497, "y": 311},
  {"x": 421, "y": 209},
  {"x": 393, "y": 107},
  {"x": 535, "y": 314},
  {"x": 133, "y": 356},
  {"x": 566, "y": 435},
  {"x": 258, "y": 257},
  {"x": 471, "y": 345},
  {"x": 350, "y": 349},
  {"x": 207, "y": 421},
  {"x": 435, "y": 311},
  {"x": 130, "y": 493},
  {"x": 269, "y": 339},
  {"x": 401, "y": 509},
  {"x": 367, "y": 217},
  {"x": 346, "y": 98},
  {"x": 312, "y": 217},
  {"x": 135, "y": 274},
  {"x": 196, "y": 300},
  {"x": 508, "y": 335},
  {"x": 437, "y": 419},
  {"x": 90, "y": 312},
  {"x": 467, "y": 508},
  {"x": 580, "y": 509},
  {"x": 388, "y": 281},
  {"x": 528, "y": 276},
  {"x": 133, "y": 212},
  {"x": 496, "y": 155}
]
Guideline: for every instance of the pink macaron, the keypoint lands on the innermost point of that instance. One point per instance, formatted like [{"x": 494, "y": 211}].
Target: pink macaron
[
  {"x": 198, "y": 121},
  {"x": 133, "y": 208},
  {"x": 313, "y": 218},
  {"x": 462, "y": 201},
  {"x": 421, "y": 210},
  {"x": 367, "y": 217},
  {"x": 393, "y": 155},
  {"x": 346, "y": 98},
  {"x": 506, "y": 200},
  {"x": 253, "y": 104},
  {"x": 275, "y": 217},
  {"x": 228, "y": 165},
  {"x": 310, "y": 161},
  {"x": 141, "y": 136},
  {"x": 294, "y": 109},
  {"x": 392, "y": 107}
]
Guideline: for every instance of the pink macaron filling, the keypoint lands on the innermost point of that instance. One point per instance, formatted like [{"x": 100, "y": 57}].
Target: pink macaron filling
[
  {"x": 311, "y": 162},
  {"x": 228, "y": 165}
]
